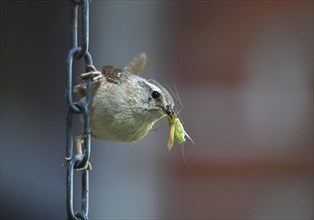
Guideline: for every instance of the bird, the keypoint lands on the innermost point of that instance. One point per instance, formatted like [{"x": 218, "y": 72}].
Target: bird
[{"x": 124, "y": 106}]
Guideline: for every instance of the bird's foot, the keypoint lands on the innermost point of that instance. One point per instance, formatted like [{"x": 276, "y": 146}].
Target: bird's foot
[{"x": 94, "y": 73}]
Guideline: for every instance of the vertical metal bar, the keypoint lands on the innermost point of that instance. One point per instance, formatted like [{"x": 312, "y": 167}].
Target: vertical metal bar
[
  {"x": 69, "y": 135},
  {"x": 74, "y": 25},
  {"x": 87, "y": 136},
  {"x": 89, "y": 87},
  {"x": 71, "y": 53},
  {"x": 85, "y": 29},
  {"x": 69, "y": 189},
  {"x": 85, "y": 192}
]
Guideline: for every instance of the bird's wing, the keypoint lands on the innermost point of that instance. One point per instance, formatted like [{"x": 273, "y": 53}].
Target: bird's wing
[{"x": 112, "y": 74}]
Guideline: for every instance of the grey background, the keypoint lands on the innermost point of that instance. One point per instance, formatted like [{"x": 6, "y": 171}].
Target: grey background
[{"x": 244, "y": 72}]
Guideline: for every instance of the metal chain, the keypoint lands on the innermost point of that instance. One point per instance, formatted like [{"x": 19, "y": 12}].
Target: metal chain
[{"x": 80, "y": 107}]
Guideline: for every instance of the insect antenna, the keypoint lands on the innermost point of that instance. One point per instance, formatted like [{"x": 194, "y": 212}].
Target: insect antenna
[
  {"x": 184, "y": 159},
  {"x": 177, "y": 99}
]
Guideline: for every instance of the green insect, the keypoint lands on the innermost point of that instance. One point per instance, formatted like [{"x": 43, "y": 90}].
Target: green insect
[{"x": 176, "y": 131}]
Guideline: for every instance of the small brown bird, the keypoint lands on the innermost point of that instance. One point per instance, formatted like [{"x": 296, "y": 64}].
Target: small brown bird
[{"x": 125, "y": 106}]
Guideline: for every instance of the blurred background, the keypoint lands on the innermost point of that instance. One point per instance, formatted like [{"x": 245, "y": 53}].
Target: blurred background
[{"x": 244, "y": 73}]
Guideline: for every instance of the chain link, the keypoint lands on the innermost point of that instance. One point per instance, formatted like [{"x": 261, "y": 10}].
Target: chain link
[{"x": 80, "y": 107}]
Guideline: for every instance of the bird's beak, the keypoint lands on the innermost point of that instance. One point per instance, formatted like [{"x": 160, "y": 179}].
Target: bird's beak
[{"x": 169, "y": 111}]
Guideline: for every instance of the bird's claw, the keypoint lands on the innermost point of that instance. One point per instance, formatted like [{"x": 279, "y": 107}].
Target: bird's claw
[
  {"x": 87, "y": 166},
  {"x": 94, "y": 73}
]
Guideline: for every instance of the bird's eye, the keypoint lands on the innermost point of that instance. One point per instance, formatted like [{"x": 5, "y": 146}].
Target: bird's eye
[{"x": 155, "y": 94}]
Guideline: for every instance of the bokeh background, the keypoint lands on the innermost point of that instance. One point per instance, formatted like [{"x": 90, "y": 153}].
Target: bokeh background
[{"x": 244, "y": 73}]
